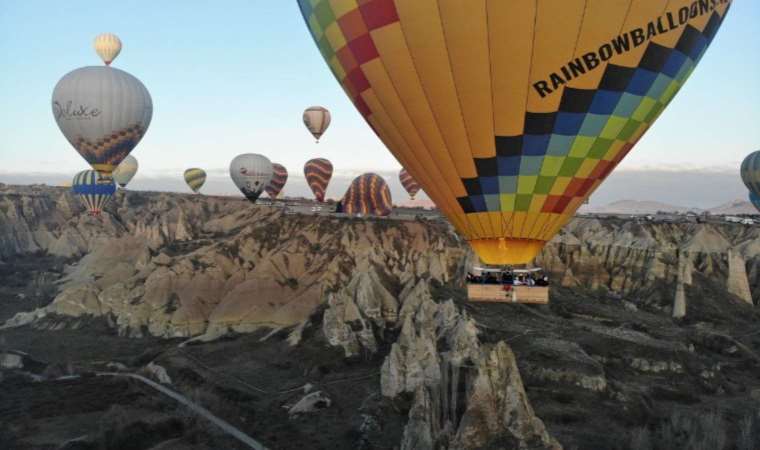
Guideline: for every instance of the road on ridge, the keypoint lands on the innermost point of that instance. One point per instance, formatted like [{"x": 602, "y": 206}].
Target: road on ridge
[{"x": 201, "y": 411}]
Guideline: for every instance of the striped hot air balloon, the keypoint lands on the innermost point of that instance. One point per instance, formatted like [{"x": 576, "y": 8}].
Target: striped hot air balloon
[
  {"x": 368, "y": 195},
  {"x": 510, "y": 113},
  {"x": 279, "y": 178},
  {"x": 107, "y": 46},
  {"x": 195, "y": 178},
  {"x": 317, "y": 119},
  {"x": 409, "y": 183},
  {"x": 318, "y": 172},
  {"x": 125, "y": 171},
  {"x": 94, "y": 191}
]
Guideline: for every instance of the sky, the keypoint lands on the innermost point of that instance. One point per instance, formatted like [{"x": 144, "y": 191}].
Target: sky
[{"x": 234, "y": 76}]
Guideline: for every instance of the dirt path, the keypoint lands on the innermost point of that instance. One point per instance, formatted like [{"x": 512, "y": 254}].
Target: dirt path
[{"x": 201, "y": 411}]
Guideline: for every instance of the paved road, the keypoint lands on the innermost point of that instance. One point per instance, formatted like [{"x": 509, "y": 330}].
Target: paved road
[{"x": 201, "y": 411}]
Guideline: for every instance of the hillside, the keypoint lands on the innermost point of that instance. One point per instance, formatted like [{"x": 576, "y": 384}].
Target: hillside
[{"x": 371, "y": 314}]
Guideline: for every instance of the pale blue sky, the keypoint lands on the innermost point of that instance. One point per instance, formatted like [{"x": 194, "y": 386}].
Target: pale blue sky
[{"x": 233, "y": 76}]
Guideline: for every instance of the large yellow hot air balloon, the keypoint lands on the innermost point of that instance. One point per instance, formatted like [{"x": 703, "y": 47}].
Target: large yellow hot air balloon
[{"x": 511, "y": 113}]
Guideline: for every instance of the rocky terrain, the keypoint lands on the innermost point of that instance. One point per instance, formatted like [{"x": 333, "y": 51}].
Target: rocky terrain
[{"x": 322, "y": 332}]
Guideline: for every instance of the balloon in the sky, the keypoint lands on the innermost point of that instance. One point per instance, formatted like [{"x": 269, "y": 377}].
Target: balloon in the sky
[
  {"x": 750, "y": 172},
  {"x": 107, "y": 46},
  {"x": 318, "y": 172},
  {"x": 368, "y": 195},
  {"x": 755, "y": 200},
  {"x": 195, "y": 178},
  {"x": 409, "y": 183},
  {"x": 317, "y": 119},
  {"x": 279, "y": 178},
  {"x": 94, "y": 190},
  {"x": 510, "y": 113},
  {"x": 103, "y": 112},
  {"x": 251, "y": 174},
  {"x": 125, "y": 171}
]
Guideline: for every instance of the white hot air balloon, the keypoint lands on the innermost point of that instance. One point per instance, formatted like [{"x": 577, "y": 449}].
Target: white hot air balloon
[
  {"x": 107, "y": 46},
  {"x": 103, "y": 112},
  {"x": 125, "y": 171},
  {"x": 251, "y": 173}
]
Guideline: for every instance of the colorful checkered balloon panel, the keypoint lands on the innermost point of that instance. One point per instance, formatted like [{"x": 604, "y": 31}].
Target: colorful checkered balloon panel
[
  {"x": 279, "y": 178},
  {"x": 94, "y": 190},
  {"x": 511, "y": 113},
  {"x": 411, "y": 186},
  {"x": 318, "y": 173},
  {"x": 368, "y": 195},
  {"x": 195, "y": 178}
]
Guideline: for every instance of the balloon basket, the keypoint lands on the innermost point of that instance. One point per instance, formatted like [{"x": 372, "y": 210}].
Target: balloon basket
[{"x": 507, "y": 285}]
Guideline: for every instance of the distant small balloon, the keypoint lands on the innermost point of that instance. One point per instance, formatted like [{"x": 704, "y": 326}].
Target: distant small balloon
[
  {"x": 279, "y": 178},
  {"x": 195, "y": 178},
  {"x": 318, "y": 172},
  {"x": 107, "y": 46},
  {"x": 251, "y": 173},
  {"x": 409, "y": 183},
  {"x": 125, "y": 171},
  {"x": 317, "y": 120},
  {"x": 94, "y": 190},
  {"x": 368, "y": 195}
]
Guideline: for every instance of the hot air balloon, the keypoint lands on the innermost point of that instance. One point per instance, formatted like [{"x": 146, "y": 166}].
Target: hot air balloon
[
  {"x": 750, "y": 172},
  {"x": 251, "y": 174},
  {"x": 279, "y": 178},
  {"x": 107, "y": 46},
  {"x": 755, "y": 200},
  {"x": 318, "y": 172},
  {"x": 94, "y": 191},
  {"x": 411, "y": 186},
  {"x": 125, "y": 171},
  {"x": 317, "y": 119},
  {"x": 104, "y": 113},
  {"x": 511, "y": 113},
  {"x": 195, "y": 178},
  {"x": 368, "y": 195}
]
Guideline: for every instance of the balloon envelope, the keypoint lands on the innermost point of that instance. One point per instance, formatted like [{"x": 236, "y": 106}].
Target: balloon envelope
[
  {"x": 107, "y": 46},
  {"x": 755, "y": 200},
  {"x": 317, "y": 119},
  {"x": 251, "y": 173},
  {"x": 195, "y": 178},
  {"x": 318, "y": 172},
  {"x": 103, "y": 112},
  {"x": 93, "y": 190},
  {"x": 510, "y": 113},
  {"x": 409, "y": 183},
  {"x": 279, "y": 178},
  {"x": 750, "y": 172},
  {"x": 125, "y": 171},
  {"x": 368, "y": 195}
]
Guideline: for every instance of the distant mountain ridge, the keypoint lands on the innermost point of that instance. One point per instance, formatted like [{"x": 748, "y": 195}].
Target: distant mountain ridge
[{"x": 639, "y": 207}]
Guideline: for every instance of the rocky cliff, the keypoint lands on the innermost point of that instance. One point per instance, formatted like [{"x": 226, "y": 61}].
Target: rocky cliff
[
  {"x": 182, "y": 265},
  {"x": 193, "y": 267}
]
